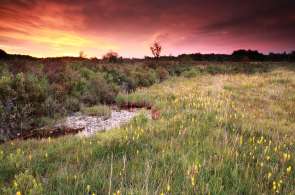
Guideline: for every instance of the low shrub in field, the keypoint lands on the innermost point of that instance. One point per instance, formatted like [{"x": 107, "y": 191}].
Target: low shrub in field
[
  {"x": 72, "y": 104},
  {"x": 215, "y": 69},
  {"x": 24, "y": 183},
  {"x": 250, "y": 68},
  {"x": 190, "y": 73},
  {"x": 99, "y": 91},
  {"x": 98, "y": 110},
  {"x": 133, "y": 100},
  {"x": 177, "y": 69},
  {"x": 144, "y": 78},
  {"x": 85, "y": 84},
  {"x": 162, "y": 73}
]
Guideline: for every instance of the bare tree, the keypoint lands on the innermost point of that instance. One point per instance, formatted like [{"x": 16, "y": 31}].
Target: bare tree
[{"x": 156, "y": 49}]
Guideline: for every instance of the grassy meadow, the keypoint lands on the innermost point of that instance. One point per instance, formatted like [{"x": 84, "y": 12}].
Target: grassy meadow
[{"x": 219, "y": 132}]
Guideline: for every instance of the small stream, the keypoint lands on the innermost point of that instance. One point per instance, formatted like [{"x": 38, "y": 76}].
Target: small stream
[{"x": 92, "y": 124}]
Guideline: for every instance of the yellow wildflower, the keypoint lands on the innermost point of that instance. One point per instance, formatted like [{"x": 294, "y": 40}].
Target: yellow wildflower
[
  {"x": 274, "y": 185},
  {"x": 18, "y": 193},
  {"x": 88, "y": 188},
  {"x": 168, "y": 188},
  {"x": 241, "y": 140},
  {"x": 286, "y": 156},
  {"x": 15, "y": 184},
  {"x": 118, "y": 192},
  {"x": 193, "y": 181},
  {"x": 269, "y": 175},
  {"x": 289, "y": 169}
]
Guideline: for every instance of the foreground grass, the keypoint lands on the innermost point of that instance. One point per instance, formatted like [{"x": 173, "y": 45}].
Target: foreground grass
[{"x": 221, "y": 134}]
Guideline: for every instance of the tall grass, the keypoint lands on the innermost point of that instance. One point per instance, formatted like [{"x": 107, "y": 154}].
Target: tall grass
[{"x": 222, "y": 134}]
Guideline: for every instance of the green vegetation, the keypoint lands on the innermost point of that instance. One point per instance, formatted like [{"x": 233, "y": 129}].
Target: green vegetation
[
  {"x": 190, "y": 73},
  {"x": 135, "y": 100},
  {"x": 34, "y": 95},
  {"x": 98, "y": 110},
  {"x": 227, "y": 133}
]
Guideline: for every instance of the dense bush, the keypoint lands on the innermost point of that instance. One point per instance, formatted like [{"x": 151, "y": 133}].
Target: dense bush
[
  {"x": 215, "y": 69},
  {"x": 133, "y": 100},
  {"x": 177, "y": 69},
  {"x": 190, "y": 73},
  {"x": 28, "y": 100},
  {"x": 22, "y": 96},
  {"x": 162, "y": 73}
]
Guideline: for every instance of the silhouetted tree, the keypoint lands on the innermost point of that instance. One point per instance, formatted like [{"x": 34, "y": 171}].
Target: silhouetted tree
[
  {"x": 246, "y": 55},
  {"x": 156, "y": 49},
  {"x": 112, "y": 57}
]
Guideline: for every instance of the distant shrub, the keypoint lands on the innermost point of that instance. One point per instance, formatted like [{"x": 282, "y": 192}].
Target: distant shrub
[
  {"x": 98, "y": 110},
  {"x": 72, "y": 104},
  {"x": 146, "y": 79},
  {"x": 115, "y": 76},
  {"x": 249, "y": 67},
  {"x": 112, "y": 57},
  {"x": 133, "y": 100},
  {"x": 190, "y": 73},
  {"x": 215, "y": 69},
  {"x": 177, "y": 69},
  {"x": 162, "y": 73},
  {"x": 85, "y": 85},
  {"x": 87, "y": 73},
  {"x": 99, "y": 91},
  {"x": 53, "y": 107},
  {"x": 186, "y": 58},
  {"x": 152, "y": 76},
  {"x": 129, "y": 84}
]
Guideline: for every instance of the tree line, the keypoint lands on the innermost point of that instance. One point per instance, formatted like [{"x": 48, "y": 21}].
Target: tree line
[{"x": 238, "y": 55}]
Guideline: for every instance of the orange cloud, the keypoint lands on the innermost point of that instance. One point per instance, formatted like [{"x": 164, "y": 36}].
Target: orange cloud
[{"x": 65, "y": 27}]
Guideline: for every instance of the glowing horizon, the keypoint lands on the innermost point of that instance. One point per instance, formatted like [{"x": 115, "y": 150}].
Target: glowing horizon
[{"x": 64, "y": 28}]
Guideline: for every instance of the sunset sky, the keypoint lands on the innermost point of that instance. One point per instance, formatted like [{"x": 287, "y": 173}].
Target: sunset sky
[{"x": 46, "y": 28}]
